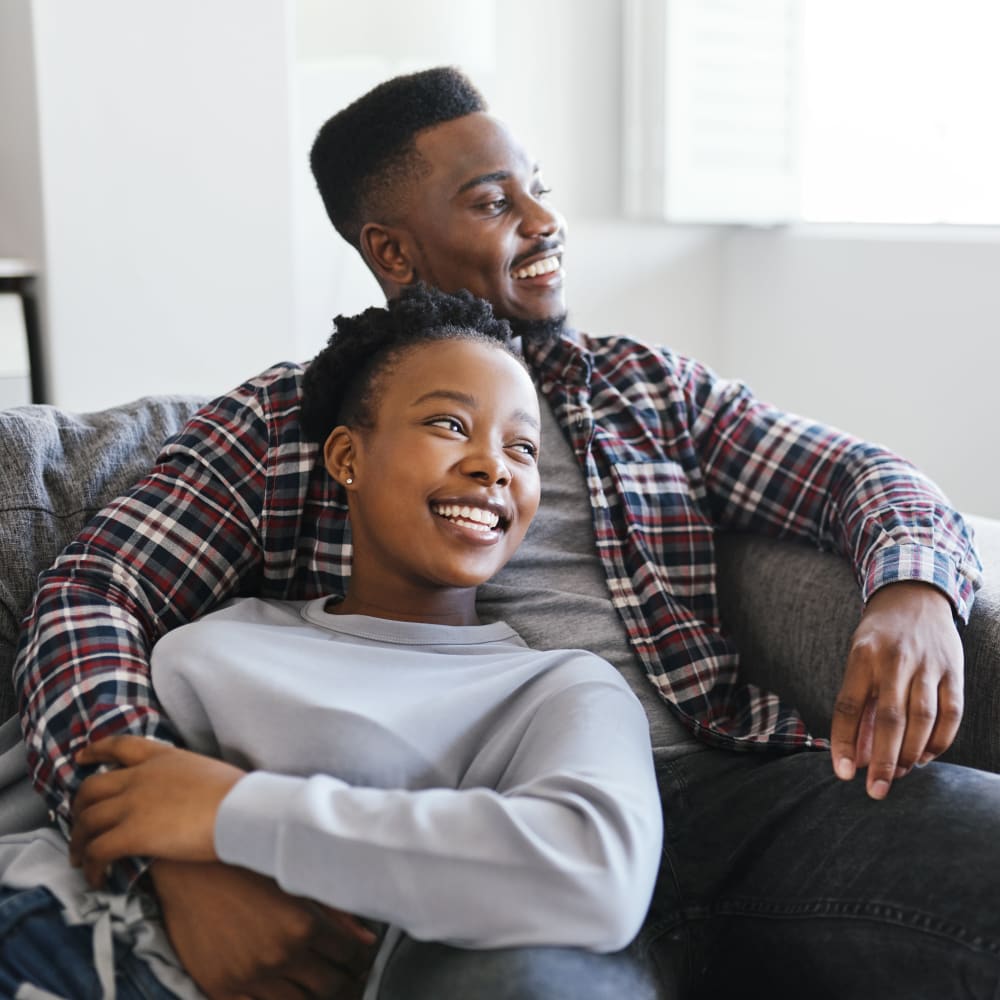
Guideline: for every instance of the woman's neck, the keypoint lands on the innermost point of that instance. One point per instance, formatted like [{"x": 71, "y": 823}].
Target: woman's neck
[{"x": 453, "y": 607}]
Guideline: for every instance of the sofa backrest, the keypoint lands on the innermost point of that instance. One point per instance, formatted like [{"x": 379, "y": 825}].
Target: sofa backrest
[{"x": 58, "y": 469}]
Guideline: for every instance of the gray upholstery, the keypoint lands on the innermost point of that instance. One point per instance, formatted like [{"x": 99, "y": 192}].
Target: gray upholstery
[
  {"x": 58, "y": 469},
  {"x": 791, "y": 609}
]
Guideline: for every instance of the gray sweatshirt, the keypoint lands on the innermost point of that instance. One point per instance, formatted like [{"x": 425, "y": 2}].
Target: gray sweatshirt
[{"x": 446, "y": 780}]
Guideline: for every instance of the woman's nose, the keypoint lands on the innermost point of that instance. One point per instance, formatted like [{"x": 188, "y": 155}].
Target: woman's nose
[{"x": 487, "y": 467}]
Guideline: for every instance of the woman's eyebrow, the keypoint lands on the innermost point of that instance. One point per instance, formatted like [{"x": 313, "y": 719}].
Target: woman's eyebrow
[
  {"x": 451, "y": 394},
  {"x": 528, "y": 418}
]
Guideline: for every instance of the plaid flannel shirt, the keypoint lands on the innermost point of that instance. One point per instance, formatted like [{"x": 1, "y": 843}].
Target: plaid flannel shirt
[{"x": 239, "y": 503}]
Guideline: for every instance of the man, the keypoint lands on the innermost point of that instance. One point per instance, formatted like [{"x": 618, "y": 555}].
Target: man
[{"x": 775, "y": 872}]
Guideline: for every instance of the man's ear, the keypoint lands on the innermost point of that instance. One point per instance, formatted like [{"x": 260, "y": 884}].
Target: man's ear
[
  {"x": 387, "y": 250},
  {"x": 339, "y": 454}
]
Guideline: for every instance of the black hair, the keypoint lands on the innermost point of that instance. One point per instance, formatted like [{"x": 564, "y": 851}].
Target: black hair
[
  {"x": 340, "y": 385},
  {"x": 366, "y": 153}
]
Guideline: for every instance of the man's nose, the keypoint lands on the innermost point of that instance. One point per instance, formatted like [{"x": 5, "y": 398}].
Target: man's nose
[{"x": 540, "y": 219}]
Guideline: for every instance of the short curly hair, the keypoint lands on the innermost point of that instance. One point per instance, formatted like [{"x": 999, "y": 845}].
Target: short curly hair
[
  {"x": 341, "y": 384},
  {"x": 365, "y": 155}
]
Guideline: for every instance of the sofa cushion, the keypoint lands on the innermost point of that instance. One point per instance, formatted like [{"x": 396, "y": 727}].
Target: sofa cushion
[{"x": 59, "y": 469}]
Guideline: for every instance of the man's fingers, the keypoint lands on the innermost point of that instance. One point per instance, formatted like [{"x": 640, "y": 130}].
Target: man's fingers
[
  {"x": 848, "y": 714},
  {"x": 889, "y": 733},
  {"x": 345, "y": 942},
  {"x": 921, "y": 716},
  {"x": 949, "y": 717}
]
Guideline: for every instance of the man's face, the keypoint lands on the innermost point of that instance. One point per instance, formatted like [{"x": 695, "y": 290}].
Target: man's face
[{"x": 481, "y": 220}]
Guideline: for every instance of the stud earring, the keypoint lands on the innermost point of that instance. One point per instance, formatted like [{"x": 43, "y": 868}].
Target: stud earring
[{"x": 349, "y": 480}]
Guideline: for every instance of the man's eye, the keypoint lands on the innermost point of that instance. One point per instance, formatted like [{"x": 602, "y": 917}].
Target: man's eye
[{"x": 493, "y": 205}]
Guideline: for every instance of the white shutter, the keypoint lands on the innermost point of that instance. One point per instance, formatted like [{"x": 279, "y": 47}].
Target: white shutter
[{"x": 710, "y": 110}]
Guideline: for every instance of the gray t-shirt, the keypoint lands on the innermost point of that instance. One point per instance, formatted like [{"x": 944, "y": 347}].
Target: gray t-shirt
[{"x": 554, "y": 591}]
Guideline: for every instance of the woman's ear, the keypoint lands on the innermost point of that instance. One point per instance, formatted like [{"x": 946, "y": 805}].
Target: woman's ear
[
  {"x": 387, "y": 252},
  {"x": 339, "y": 452}
]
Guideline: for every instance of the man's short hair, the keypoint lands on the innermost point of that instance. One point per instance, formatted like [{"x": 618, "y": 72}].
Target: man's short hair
[
  {"x": 365, "y": 154},
  {"x": 342, "y": 383}
]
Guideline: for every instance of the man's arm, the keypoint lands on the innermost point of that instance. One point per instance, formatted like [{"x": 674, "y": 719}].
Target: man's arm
[
  {"x": 778, "y": 474},
  {"x": 181, "y": 541}
]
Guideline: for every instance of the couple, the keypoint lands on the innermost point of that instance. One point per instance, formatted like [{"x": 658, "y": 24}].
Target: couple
[{"x": 777, "y": 868}]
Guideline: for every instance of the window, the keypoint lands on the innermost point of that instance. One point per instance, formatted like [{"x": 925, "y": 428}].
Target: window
[{"x": 875, "y": 111}]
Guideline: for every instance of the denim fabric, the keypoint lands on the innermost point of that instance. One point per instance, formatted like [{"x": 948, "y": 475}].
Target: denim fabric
[
  {"x": 427, "y": 971},
  {"x": 40, "y": 952},
  {"x": 779, "y": 880}
]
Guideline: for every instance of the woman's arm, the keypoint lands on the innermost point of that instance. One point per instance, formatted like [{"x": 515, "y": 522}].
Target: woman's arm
[{"x": 566, "y": 850}]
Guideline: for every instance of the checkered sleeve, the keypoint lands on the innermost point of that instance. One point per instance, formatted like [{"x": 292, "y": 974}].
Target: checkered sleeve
[
  {"x": 776, "y": 473},
  {"x": 179, "y": 542}
]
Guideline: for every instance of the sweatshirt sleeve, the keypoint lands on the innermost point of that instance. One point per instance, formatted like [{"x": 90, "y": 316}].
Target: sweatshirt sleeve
[{"x": 563, "y": 852}]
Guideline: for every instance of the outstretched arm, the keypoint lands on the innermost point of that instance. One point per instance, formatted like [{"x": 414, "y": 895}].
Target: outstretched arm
[{"x": 901, "y": 699}]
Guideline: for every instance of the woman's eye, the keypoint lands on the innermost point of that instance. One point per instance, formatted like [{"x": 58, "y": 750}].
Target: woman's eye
[
  {"x": 543, "y": 192},
  {"x": 526, "y": 448},
  {"x": 450, "y": 423}
]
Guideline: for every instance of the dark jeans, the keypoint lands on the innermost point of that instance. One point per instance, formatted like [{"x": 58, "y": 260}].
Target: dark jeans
[
  {"x": 777, "y": 879},
  {"x": 780, "y": 880}
]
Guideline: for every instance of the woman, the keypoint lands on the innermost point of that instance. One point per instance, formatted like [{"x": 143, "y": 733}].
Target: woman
[{"x": 382, "y": 751}]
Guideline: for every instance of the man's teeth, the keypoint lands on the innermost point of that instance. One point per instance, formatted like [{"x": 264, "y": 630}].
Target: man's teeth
[
  {"x": 544, "y": 266},
  {"x": 473, "y": 517}
]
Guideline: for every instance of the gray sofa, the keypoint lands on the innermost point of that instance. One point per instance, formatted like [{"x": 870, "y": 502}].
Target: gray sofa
[{"x": 791, "y": 609}]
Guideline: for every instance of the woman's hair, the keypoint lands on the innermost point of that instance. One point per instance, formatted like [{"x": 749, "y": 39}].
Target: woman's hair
[
  {"x": 365, "y": 156},
  {"x": 341, "y": 384}
]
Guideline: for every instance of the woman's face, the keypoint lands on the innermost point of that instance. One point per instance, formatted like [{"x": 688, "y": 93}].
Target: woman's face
[{"x": 445, "y": 483}]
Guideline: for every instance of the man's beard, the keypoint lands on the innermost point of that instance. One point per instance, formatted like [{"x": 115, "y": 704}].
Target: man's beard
[{"x": 538, "y": 331}]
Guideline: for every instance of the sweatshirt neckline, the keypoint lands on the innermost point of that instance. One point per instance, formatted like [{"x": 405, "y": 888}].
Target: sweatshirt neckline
[{"x": 404, "y": 633}]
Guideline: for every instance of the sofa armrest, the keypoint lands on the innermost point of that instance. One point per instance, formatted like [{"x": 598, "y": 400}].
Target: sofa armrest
[
  {"x": 60, "y": 469},
  {"x": 792, "y": 611}
]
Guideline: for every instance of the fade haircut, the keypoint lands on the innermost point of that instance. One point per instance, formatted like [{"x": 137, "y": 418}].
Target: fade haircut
[
  {"x": 341, "y": 384},
  {"x": 364, "y": 156}
]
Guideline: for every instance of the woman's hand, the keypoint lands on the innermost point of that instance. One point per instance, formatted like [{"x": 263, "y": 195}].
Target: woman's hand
[{"x": 160, "y": 801}]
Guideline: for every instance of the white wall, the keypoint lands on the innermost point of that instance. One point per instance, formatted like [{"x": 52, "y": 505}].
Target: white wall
[
  {"x": 890, "y": 334},
  {"x": 164, "y": 174},
  {"x": 187, "y": 247}
]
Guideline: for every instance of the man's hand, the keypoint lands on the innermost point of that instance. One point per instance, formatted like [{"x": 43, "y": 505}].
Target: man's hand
[
  {"x": 901, "y": 700},
  {"x": 160, "y": 801},
  {"x": 238, "y": 935}
]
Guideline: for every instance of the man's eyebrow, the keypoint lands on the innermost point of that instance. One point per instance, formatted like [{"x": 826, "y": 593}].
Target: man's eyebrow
[{"x": 491, "y": 178}]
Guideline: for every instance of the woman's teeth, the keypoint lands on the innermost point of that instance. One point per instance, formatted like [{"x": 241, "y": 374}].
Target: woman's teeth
[
  {"x": 545, "y": 266},
  {"x": 473, "y": 517}
]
